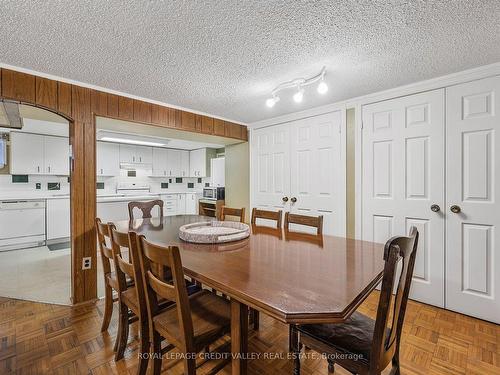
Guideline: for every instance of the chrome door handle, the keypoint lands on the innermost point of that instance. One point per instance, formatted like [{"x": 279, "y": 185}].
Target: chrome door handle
[
  {"x": 284, "y": 199},
  {"x": 435, "y": 208},
  {"x": 293, "y": 200},
  {"x": 455, "y": 209}
]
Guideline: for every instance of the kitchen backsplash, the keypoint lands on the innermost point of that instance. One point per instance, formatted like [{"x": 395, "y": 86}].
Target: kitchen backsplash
[
  {"x": 110, "y": 183},
  {"x": 7, "y": 186}
]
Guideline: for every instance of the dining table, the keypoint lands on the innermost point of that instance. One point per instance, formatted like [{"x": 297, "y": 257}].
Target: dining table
[{"x": 292, "y": 277}]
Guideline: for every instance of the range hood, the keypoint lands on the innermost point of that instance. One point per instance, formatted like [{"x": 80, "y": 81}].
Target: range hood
[{"x": 9, "y": 115}]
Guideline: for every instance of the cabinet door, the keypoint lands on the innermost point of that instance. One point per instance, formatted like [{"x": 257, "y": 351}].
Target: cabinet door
[
  {"x": 473, "y": 186},
  {"x": 128, "y": 154},
  {"x": 108, "y": 159},
  {"x": 174, "y": 163},
  {"x": 58, "y": 218},
  {"x": 403, "y": 176},
  {"x": 217, "y": 173},
  {"x": 184, "y": 164},
  {"x": 26, "y": 153},
  {"x": 143, "y": 154},
  {"x": 56, "y": 153},
  {"x": 191, "y": 203},
  {"x": 160, "y": 162},
  {"x": 198, "y": 163},
  {"x": 271, "y": 167},
  {"x": 181, "y": 205}
]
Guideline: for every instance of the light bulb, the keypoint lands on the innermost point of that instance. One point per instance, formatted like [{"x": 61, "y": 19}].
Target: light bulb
[
  {"x": 270, "y": 102},
  {"x": 322, "y": 87},
  {"x": 298, "y": 96}
]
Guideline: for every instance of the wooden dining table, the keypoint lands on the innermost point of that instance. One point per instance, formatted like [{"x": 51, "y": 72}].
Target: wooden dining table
[{"x": 294, "y": 278}]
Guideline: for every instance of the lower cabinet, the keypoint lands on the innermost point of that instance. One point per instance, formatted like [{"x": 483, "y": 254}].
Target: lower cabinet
[
  {"x": 191, "y": 204},
  {"x": 58, "y": 219},
  {"x": 179, "y": 204}
]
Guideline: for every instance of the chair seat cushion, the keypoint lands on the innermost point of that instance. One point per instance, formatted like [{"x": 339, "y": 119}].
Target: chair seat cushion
[
  {"x": 211, "y": 317},
  {"x": 354, "y": 336}
]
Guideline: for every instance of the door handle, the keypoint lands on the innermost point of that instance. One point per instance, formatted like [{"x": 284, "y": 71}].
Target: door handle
[
  {"x": 293, "y": 200},
  {"x": 455, "y": 209},
  {"x": 284, "y": 199},
  {"x": 435, "y": 208}
]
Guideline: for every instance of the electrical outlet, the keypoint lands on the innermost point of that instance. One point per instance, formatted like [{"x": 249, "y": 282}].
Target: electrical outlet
[{"x": 86, "y": 263}]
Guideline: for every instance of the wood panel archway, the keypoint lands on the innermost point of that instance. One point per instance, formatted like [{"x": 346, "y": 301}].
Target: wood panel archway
[{"x": 80, "y": 105}]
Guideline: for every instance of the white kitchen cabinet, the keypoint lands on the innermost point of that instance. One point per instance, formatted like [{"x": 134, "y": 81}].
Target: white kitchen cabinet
[
  {"x": 191, "y": 204},
  {"x": 160, "y": 166},
  {"x": 218, "y": 172},
  {"x": 181, "y": 204},
  {"x": 131, "y": 154},
  {"x": 184, "y": 163},
  {"x": 56, "y": 156},
  {"x": 58, "y": 218},
  {"x": 170, "y": 202},
  {"x": 174, "y": 163},
  {"x": 108, "y": 159},
  {"x": 199, "y": 162},
  {"x": 26, "y": 153},
  {"x": 39, "y": 154}
]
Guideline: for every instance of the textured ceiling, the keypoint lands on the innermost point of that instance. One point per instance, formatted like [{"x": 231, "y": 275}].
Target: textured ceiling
[{"x": 224, "y": 57}]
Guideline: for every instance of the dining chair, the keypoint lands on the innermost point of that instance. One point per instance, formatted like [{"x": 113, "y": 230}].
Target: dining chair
[
  {"x": 236, "y": 212},
  {"x": 362, "y": 345},
  {"x": 194, "y": 322},
  {"x": 110, "y": 281},
  {"x": 146, "y": 208},
  {"x": 308, "y": 221},
  {"x": 266, "y": 215}
]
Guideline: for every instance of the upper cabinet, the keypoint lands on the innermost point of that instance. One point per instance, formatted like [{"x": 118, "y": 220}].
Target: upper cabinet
[
  {"x": 199, "y": 162},
  {"x": 108, "y": 160},
  {"x": 131, "y": 154},
  {"x": 174, "y": 162},
  {"x": 39, "y": 154},
  {"x": 170, "y": 162},
  {"x": 184, "y": 163},
  {"x": 160, "y": 167}
]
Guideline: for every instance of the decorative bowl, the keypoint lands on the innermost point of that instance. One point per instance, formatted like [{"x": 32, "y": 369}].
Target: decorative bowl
[{"x": 211, "y": 232}]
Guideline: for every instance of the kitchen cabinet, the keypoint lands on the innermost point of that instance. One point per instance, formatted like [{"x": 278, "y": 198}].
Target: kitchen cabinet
[
  {"x": 174, "y": 162},
  {"x": 191, "y": 204},
  {"x": 170, "y": 202},
  {"x": 39, "y": 154},
  {"x": 56, "y": 152},
  {"x": 184, "y": 163},
  {"x": 160, "y": 165},
  {"x": 26, "y": 153},
  {"x": 58, "y": 219},
  {"x": 108, "y": 159},
  {"x": 181, "y": 204},
  {"x": 199, "y": 162},
  {"x": 217, "y": 176},
  {"x": 131, "y": 154}
]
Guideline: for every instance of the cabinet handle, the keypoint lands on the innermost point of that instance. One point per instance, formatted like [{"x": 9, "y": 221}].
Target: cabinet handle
[
  {"x": 133, "y": 158},
  {"x": 102, "y": 171},
  {"x": 140, "y": 159},
  {"x": 38, "y": 169},
  {"x": 49, "y": 168}
]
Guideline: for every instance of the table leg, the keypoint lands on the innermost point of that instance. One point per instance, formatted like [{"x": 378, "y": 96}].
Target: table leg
[{"x": 239, "y": 337}]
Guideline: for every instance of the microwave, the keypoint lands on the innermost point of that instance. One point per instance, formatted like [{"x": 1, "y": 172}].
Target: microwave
[{"x": 215, "y": 193}]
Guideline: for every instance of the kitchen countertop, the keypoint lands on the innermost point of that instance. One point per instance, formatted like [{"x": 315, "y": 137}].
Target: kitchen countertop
[{"x": 105, "y": 197}]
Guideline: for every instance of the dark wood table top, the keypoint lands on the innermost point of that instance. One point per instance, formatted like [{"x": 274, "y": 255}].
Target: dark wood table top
[{"x": 294, "y": 278}]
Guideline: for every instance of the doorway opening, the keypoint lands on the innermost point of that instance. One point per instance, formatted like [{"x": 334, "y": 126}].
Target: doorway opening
[{"x": 35, "y": 207}]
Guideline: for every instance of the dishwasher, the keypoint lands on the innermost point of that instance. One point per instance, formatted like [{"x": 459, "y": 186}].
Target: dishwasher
[{"x": 22, "y": 224}]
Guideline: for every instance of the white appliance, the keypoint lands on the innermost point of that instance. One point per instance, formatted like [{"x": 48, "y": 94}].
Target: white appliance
[
  {"x": 22, "y": 224},
  {"x": 217, "y": 172},
  {"x": 133, "y": 189}
]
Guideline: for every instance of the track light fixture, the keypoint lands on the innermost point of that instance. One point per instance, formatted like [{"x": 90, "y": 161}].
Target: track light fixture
[{"x": 299, "y": 83}]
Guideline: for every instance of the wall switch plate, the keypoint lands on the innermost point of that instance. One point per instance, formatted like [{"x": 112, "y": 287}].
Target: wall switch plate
[
  {"x": 86, "y": 263},
  {"x": 38, "y": 186}
]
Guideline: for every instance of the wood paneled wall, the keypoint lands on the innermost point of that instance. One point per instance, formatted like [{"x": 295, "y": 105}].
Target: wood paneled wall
[{"x": 80, "y": 105}]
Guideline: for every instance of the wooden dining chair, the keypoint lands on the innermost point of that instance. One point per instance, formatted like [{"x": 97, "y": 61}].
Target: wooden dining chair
[
  {"x": 194, "y": 323},
  {"x": 308, "y": 221},
  {"x": 267, "y": 215},
  {"x": 236, "y": 212},
  {"x": 146, "y": 208},
  {"x": 362, "y": 345},
  {"x": 110, "y": 281}
]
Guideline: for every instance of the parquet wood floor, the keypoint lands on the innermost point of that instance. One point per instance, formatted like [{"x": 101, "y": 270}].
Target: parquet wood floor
[{"x": 38, "y": 338}]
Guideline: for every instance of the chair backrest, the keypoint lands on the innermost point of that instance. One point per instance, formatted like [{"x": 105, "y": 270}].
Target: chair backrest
[
  {"x": 123, "y": 268},
  {"x": 237, "y": 212},
  {"x": 386, "y": 337},
  {"x": 104, "y": 249},
  {"x": 268, "y": 215},
  {"x": 309, "y": 221},
  {"x": 154, "y": 255},
  {"x": 145, "y": 207}
]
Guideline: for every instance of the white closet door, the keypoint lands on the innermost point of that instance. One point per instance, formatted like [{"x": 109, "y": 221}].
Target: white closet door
[
  {"x": 473, "y": 180},
  {"x": 318, "y": 170},
  {"x": 271, "y": 166},
  {"x": 403, "y": 175}
]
